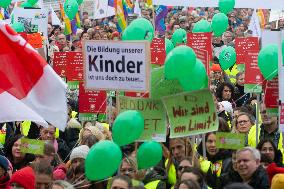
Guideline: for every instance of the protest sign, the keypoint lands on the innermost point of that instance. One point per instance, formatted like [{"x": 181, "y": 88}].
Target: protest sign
[
  {"x": 232, "y": 141},
  {"x": 200, "y": 41},
  {"x": 59, "y": 63},
  {"x": 271, "y": 95},
  {"x": 191, "y": 113},
  {"x": 34, "y": 20},
  {"x": 91, "y": 101},
  {"x": 89, "y": 7},
  {"x": 158, "y": 51},
  {"x": 137, "y": 95},
  {"x": 155, "y": 127},
  {"x": 102, "y": 10},
  {"x": 32, "y": 146},
  {"x": 244, "y": 44},
  {"x": 204, "y": 57},
  {"x": 253, "y": 76},
  {"x": 276, "y": 15},
  {"x": 84, "y": 117},
  {"x": 35, "y": 40},
  {"x": 74, "y": 68},
  {"x": 117, "y": 65}
]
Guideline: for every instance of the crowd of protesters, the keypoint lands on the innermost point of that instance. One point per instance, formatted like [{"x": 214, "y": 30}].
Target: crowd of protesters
[{"x": 184, "y": 165}]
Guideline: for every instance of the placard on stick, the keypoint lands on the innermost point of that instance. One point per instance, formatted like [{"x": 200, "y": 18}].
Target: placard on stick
[
  {"x": 155, "y": 127},
  {"x": 191, "y": 113},
  {"x": 117, "y": 65},
  {"x": 232, "y": 141},
  {"x": 32, "y": 146}
]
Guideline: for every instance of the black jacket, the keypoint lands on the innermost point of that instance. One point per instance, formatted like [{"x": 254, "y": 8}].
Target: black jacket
[{"x": 259, "y": 179}]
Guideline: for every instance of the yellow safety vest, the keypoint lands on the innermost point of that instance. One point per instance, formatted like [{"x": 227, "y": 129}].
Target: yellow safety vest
[
  {"x": 232, "y": 73},
  {"x": 172, "y": 173},
  {"x": 152, "y": 185},
  {"x": 26, "y": 125},
  {"x": 216, "y": 168}
]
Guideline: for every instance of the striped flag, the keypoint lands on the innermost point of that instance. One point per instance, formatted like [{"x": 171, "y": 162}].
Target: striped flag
[
  {"x": 161, "y": 13},
  {"x": 261, "y": 16},
  {"x": 119, "y": 11}
]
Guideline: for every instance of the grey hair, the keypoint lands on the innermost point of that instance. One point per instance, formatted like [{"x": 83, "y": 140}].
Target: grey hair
[
  {"x": 255, "y": 153},
  {"x": 64, "y": 184}
]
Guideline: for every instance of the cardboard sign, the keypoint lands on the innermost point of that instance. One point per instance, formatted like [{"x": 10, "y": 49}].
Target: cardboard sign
[
  {"x": 158, "y": 51},
  {"x": 200, "y": 41},
  {"x": 35, "y": 40},
  {"x": 230, "y": 140},
  {"x": 155, "y": 127},
  {"x": 117, "y": 65},
  {"x": 242, "y": 45},
  {"x": 271, "y": 95},
  {"x": 191, "y": 113},
  {"x": 32, "y": 146},
  {"x": 74, "y": 68},
  {"x": 137, "y": 95},
  {"x": 59, "y": 63},
  {"x": 91, "y": 101}
]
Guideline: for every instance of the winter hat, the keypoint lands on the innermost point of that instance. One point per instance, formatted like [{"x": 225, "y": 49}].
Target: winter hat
[
  {"x": 24, "y": 177},
  {"x": 59, "y": 173},
  {"x": 4, "y": 163},
  {"x": 96, "y": 132},
  {"x": 227, "y": 106},
  {"x": 278, "y": 182},
  {"x": 216, "y": 68},
  {"x": 80, "y": 152}
]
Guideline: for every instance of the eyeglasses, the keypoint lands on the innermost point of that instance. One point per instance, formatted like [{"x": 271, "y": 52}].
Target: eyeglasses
[{"x": 243, "y": 121}]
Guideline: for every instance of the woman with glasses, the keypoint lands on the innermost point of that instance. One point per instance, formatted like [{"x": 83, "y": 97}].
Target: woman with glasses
[{"x": 243, "y": 123}]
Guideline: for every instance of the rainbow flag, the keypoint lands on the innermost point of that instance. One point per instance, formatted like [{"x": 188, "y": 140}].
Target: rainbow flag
[
  {"x": 119, "y": 11},
  {"x": 71, "y": 26}
]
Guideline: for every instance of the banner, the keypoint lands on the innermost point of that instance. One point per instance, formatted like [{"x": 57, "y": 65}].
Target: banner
[
  {"x": 158, "y": 51},
  {"x": 34, "y": 20},
  {"x": 232, "y": 141},
  {"x": 191, "y": 113},
  {"x": 32, "y": 146},
  {"x": 91, "y": 101},
  {"x": 244, "y": 44},
  {"x": 137, "y": 95},
  {"x": 74, "y": 67},
  {"x": 59, "y": 63},
  {"x": 155, "y": 125},
  {"x": 117, "y": 65},
  {"x": 271, "y": 95}
]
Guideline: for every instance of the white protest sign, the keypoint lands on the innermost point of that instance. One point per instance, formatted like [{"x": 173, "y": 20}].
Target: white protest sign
[
  {"x": 117, "y": 65},
  {"x": 102, "y": 10},
  {"x": 264, "y": 4},
  {"x": 32, "y": 19},
  {"x": 254, "y": 25},
  {"x": 276, "y": 15}
]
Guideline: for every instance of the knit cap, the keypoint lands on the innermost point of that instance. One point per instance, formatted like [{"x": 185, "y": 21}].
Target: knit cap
[
  {"x": 4, "y": 163},
  {"x": 80, "y": 152},
  {"x": 24, "y": 177},
  {"x": 216, "y": 68},
  {"x": 277, "y": 181}
]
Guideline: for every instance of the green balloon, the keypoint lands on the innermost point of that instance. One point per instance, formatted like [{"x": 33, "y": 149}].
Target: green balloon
[
  {"x": 226, "y": 6},
  {"x": 169, "y": 45},
  {"x": 18, "y": 27},
  {"x": 26, "y": 4},
  {"x": 127, "y": 127},
  {"x": 179, "y": 62},
  {"x": 220, "y": 24},
  {"x": 32, "y": 2},
  {"x": 268, "y": 61},
  {"x": 202, "y": 26},
  {"x": 104, "y": 151},
  {"x": 5, "y": 3},
  {"x": 149, "y": 154},
  {"x": 179, "y": 37},
  {"x": 161, "y": 87},
  {"x": 139, "y": 29},
  {"x": 71, "y": 8},
  {"x": 196, "y": 79},
  {"x": 227, "y": 57},
  {"x": 79, "y": 2}
]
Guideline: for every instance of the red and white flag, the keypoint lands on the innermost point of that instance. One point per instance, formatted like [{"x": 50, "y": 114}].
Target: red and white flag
[{"x": 29, "y": 88}]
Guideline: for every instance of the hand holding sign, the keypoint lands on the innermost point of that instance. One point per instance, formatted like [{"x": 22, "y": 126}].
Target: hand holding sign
[
  {"x": 227, "y": 57},
  {"x": 149, "y": 154},
  {"x": 202, "y": 26},
  {"x": 102, "y": 160},
  {"x": 268, "y": 61},
  {"x": 127, "y": 127}
]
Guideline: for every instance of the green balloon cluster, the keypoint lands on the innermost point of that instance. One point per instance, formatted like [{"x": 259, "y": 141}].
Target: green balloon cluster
[
  {"x": 179, "y": 37},
  {"x": 139, "y": 29},
  {"x": 226, "y": 6},
  {"x": 102, "y": 160},
  {"x": 202, "y": 26},
  {"x": 5, "y": 3},
  {"x": 32, "y": 2},
  {"x": 18, "y": 27},
  {"x": 26, "y": 5},
  {"x": 268, "y": 61},
  {"x": 127, "y": 127},
  {"x": 227, "y": 57},
  {"x": 169, "y": 45},
  {"x": 181, "y": 64},
  {"x": 71, "y": 8},
  {"x": 149, "y": 154},
  {"x": 220, "y": 24}
]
